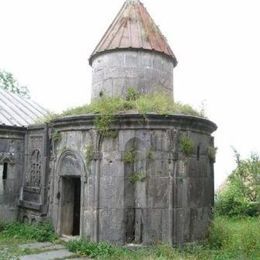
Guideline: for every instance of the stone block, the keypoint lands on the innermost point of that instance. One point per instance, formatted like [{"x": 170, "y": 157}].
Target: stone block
[
  {"x": 89, "y": 202},
  {"x": 182, "y": 168},
  {"x": 181, "y": 228},
  {"x": 158, "y": 192},
  {"x": 8, "y": 213},
  {"x": 158, "y": 168},
  {"x": 140, "y": 194},
  {"x": 146, "y": 61},
  {"x": 146, "y": 70},
  {"x": 155, "y": 224},
  {"x": 111, "y": 226},
  {"x": 200, "y": 219},
  {"x": 180, "y": 196},
  {"x": 198, "y": 168},
  {"x": 89, "y": 224},
  {"x": 159, "y": 141},
  {"x": 112, "y": 167},
  {"x": 131, "y": 59},
  {"x": 107, "y": 87},
  {"x": 111, "y": 192}
]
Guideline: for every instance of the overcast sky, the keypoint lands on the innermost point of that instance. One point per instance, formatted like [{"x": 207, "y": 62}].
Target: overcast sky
[{"x": 46, "y": 45}]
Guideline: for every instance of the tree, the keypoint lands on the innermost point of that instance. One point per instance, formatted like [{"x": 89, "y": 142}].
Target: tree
[
  {"x": 8, "y": 82},
  {"x": 241, "y": 194}
]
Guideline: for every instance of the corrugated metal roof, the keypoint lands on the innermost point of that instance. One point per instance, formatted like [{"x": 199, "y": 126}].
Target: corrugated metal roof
[
  {"x": 18, "y": 111},
  {"x": 134, "y": 28}
]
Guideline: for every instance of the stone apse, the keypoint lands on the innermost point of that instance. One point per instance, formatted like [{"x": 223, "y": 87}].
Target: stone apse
[{"x": 151, "y": 180}]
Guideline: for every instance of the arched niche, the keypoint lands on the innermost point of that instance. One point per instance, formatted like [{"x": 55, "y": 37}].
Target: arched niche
[{"x": 134, "y": 181}]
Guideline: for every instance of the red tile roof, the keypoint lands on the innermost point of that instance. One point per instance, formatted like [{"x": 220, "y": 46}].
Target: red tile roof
[{"x": 133, "y": 28}]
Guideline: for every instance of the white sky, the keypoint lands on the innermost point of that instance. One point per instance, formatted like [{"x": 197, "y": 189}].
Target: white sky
[{"x": 46, "y": 45}]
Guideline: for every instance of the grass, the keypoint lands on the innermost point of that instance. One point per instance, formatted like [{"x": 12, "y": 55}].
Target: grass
[
  {"x": 106, "y": 107},
  {"x": 40, "y": 232},
  {"x": 14, "y": 234},
  {"x": 143, "y": 104},
  {"x": 228, "y": 239}
]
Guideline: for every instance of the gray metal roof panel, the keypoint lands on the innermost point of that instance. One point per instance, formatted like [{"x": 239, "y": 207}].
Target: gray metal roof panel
[{"x": 18, "y": 111}]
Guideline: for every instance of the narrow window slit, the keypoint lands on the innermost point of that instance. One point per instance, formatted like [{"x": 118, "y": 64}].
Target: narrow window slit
[
  {"x": 198, "y": 152},
  {"x": 5, "y": 169}
]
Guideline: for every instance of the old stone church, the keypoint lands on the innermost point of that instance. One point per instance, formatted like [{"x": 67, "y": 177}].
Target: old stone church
[{"x": 67, "y": 172}]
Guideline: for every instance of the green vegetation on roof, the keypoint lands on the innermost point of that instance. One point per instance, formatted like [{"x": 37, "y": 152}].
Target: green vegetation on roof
[
  {"x": 106, "y": 107},
  {"x": 143, "y": 104}
]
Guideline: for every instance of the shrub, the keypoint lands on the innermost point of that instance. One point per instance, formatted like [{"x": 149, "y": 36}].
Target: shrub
[
  {"x": 240, "y": 196},
  {"x": 219, "y": 234},
  {"x": 231, "y": 202},
  {"x": 235, "y": 237},
  {"x": 130, "y": 156},
  {"x": 212, "y": 151},
  {"x": 186, "y": 145},
  {"x": 137, "y": 177},
  {"x": 132, "y": 94}
]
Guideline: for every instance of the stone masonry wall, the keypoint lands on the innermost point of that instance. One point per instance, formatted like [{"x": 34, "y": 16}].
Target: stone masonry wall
[
  {"x": 138, "y": 185},
  {"x": 34, "y": 189},
  {"x": 12, "y": 159},
  {"x": 147, "y": 72}
]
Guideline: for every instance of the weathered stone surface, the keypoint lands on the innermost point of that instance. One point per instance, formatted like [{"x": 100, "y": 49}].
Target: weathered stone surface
[
  {"x": 138, "y": 186},
  {"x": 11, "y": 171},
  {"x": 111, "y": 192},
  {"x": 147, "y": 72},
  {"x": 111, "y": 225},
  {"x": 135, "y": 187},
  {"x": 158, "y": 195},
  {"x": 42, "y": 246},
  {"x": 50, "y": 255}
]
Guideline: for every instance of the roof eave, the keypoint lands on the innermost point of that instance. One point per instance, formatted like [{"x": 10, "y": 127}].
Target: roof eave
[{"x": 93, "y": 56}]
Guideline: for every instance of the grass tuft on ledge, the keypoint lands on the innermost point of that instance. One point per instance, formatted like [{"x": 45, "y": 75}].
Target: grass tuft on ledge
[
  {"x": 143, "y": 104},
  {"x": 107, "y": 107}
]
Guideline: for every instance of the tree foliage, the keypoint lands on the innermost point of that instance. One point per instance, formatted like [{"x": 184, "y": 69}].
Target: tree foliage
[
  {"x": 241, "y": 195},
  {"x": 9, "y": 83}
]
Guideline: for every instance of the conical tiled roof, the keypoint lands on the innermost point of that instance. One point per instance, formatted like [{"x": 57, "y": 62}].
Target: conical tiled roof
[{"x": 133, "y": 28}]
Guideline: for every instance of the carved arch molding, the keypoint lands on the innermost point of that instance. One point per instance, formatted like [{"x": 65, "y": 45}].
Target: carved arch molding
[
  {"x": 7, "y": 158},
  {"x": 70, "y": 164}
]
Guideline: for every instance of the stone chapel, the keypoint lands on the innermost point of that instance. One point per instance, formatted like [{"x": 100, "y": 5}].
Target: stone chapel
[{"x": 67, "y": 172}]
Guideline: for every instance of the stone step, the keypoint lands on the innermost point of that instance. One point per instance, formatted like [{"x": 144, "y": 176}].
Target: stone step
[
  {"x": 42, "y": 246},
  {"x": 49, "y": 255}
]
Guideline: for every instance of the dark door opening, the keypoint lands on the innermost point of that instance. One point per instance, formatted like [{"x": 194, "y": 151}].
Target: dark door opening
[
  {"x": 70, "y": 206},
  {"x": 76, "y": 210}
]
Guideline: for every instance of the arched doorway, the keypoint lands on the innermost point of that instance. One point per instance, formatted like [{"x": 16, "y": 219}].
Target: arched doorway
[{"x": 71, "y": 170}]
